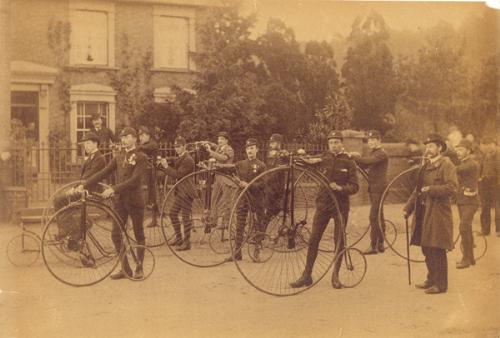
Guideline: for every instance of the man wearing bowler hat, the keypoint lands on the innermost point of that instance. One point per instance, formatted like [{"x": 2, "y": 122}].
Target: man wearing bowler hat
[
  {"x": 67, "y": 226},
  {"x": 467, "y": 199},
  {"x": 432, "y": 222},
  {"x": 183, "y": 200},
  {"x": 149, "y": 147},
  {"x": 130, "y": 166},
  {"x": 340, "y": 170},
  {"x": 375, "y": 163},
  {"x": 105, "y": 135}
]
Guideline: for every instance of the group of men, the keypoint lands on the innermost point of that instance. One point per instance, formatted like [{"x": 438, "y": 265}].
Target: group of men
[{"x": 439, "y": 181}]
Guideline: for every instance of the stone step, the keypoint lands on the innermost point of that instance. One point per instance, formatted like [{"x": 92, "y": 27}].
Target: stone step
[
  {"x": 31, "y": 219},
  {"x": 33, "y": 211}
]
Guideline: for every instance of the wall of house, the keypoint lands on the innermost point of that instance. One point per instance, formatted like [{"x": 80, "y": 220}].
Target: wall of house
[{"x": 30, "y": 21}]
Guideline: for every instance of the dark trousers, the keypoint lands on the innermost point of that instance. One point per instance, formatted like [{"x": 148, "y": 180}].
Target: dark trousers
[
  {"x": 437, "y": 266},
  {"x": 67, "y": 224},
  {"x": 321, "y": 219},
  {"x": 488, "y": 192},
  {"x": 136, "y": 214},
  {"x": 273, "y": 203},
  {"x": 376, "y": 236},
  {"x": 244, "y": 206},
  {"x": 151, "y": 183},
  {"x": 466, "y": 213},
  {"x": 183, "y": 206}
]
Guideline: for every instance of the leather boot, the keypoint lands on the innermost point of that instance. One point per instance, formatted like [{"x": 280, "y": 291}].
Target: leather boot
[{"x": 304, "y": 280}]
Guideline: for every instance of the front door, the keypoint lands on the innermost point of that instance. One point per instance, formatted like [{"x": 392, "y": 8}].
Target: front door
[{"x": 25, "y": 115}]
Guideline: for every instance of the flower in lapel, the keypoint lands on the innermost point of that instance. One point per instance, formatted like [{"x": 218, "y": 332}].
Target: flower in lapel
[{"x": 131, "y": 159}]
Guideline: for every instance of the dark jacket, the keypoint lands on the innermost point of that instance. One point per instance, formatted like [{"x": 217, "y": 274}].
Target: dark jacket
[
  {"x": 247, "y": 170},
  {"x": 432, "y": 222},
  {"x": 91, "y": 166},
  {"x": 468, "y": 177},
  {"x": 150, "y": 148},
  {"x": 375, "y": 164},
  {"x": 341, "y": 169},
  {"x": 130, "y": 168},
  {"x": 105, "y": 136},
  {"x": 183, "y": 166}
]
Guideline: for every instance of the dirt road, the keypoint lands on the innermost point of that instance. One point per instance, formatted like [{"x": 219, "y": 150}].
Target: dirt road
[{"x": 182, "y": 301}]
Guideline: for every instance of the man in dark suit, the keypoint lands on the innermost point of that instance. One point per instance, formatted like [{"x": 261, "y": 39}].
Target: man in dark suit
[
  {"x": 246, "y": 171},
  {"x": 340, "y": 170},
  {"x": 275, "y": 185},
  {"x": 94, "y": 163},
  {"x": 149, "y": 147},
  {"x": 183, "y": 166},
  {"x": 467, "y": 199},
  {"x": 105, "y": 135},
  {"x": 130, "y": 166},
  {"x": 375, "y": 163}
]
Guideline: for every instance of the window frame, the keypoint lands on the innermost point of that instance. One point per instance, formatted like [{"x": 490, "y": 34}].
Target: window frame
[
  {"x": 94, "y": 6},
  {"x": 174, "y": 12}
]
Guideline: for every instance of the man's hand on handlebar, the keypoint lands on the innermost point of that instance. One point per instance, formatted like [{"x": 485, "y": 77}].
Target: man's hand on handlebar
[
  {"x": 335, "y": 186},
  {"x": 107, "y": 193}
]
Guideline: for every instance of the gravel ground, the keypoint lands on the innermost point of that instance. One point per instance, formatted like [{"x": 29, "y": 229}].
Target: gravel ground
[{"x": 183, "y": 301}]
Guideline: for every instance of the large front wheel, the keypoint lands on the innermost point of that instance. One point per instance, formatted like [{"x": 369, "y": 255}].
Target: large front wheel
[
  {"x": 77, "y": 244},
  {"x": 280, "y": 221},
  {"x": 195, "y": 217}
]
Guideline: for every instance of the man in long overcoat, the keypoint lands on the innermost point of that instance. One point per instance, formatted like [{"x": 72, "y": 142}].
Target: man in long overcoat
[{"x": 432, "y": 222}]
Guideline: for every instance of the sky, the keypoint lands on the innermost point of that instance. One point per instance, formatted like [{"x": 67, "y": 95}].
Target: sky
[{"x": 322, "y": 19}]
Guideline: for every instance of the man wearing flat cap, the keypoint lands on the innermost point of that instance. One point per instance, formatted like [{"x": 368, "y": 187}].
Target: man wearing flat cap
[
  {"x": 247, "y": 170},
  {"x": 223, "y": 153},
  {"x": 467, "y": 199},
  {"x": 149, "y": 147},
  {"x": 375, "y": 163},
  {"x": 130, "y": 166},
  {"x": 93, "y": 164},
  {"x": 340, "y": 170},
  {"x": 275, "y": 186},
  {"x": 183, "y": 200},
  {"x": 489, "y": 191},
  {"x": 432, "y": 222}
]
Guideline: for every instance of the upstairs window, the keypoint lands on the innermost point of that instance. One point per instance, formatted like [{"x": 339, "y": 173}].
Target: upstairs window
[{"x": 92, "y": 33}]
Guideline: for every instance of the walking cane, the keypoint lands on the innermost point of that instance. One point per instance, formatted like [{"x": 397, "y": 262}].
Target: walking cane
[{"x": 408, "y": 250}]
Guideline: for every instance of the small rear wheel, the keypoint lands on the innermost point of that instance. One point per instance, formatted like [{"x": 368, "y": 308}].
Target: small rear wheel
[
  {"x": 23, "y": 249},
  {"x": 352, "y": 268},
  {"x": 140, "y": 271}
]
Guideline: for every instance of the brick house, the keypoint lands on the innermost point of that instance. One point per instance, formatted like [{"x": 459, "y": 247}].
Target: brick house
[{"x": 95, "y": 31}]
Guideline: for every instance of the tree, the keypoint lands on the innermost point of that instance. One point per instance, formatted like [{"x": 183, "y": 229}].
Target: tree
[
  {"x": 434, "y": 84},
  {"x": 228, "y": 96},
  {"x": 481, "y": 116},
  {"x": 281, "y": 68},
  {"x": 370, "y": 81},
  {"x": 132, "y": 82},
  {"x": 336, "y": 114}
]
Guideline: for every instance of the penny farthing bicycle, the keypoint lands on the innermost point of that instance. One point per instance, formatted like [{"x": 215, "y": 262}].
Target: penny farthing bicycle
[
  {"x": 394, "y": 199},
  {"x": 274, "y": 251},
  {"x": 197, "y": 210},
  {"x": 77, "y": 245}
]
